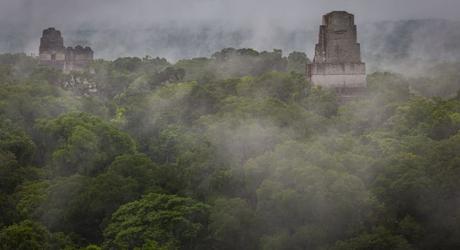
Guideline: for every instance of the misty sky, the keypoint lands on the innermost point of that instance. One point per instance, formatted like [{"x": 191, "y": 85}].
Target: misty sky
[
  {"x": 174, "y": 28},
  {"x": 75, "y": 13}
]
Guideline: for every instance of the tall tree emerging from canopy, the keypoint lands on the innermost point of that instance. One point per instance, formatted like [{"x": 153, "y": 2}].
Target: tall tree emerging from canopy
[{"x": 168, "y": 221}]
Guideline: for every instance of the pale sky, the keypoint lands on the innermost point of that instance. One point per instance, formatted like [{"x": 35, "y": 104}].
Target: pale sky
[
  {"x": 74, "y": 13},
  {"x": 198, "y": 27}
]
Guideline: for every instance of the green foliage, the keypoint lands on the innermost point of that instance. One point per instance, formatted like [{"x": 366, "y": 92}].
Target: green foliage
[
  {"x": 16, "y": 153},
  {"x": 24, "y": 236},
  {"x": 243, "y": 62},
  {"x": 441, "y": 80},
  {"x": 235, "y": 151},
  {"x": 139, "y": 168},
  {"x": 233, "y": 224},
  {"x": 285, "y": 87},
  {"x": 169, "y": 74},
  {"x": 303, "y": 190},
  {"x": 379, "y": 239},
  {"x": 29, "y": 198},
  {"x": 91, "y": 247},
  {"x": 195, "y": 68},
  {"x": 81, "y": 143},
  {"x": 172, "y": 222},
  {"x": 322, "y": 102},
  {"x": 15, "y": 66},
  {"x": 24, "y": 103},
  {"x": 127, "y": 63},
  {"x": 434, "y": 118},
  {"x": 82, "y": 205},
  {"x": 230, "y": 63},
  {"x": 297, "y": 62}
]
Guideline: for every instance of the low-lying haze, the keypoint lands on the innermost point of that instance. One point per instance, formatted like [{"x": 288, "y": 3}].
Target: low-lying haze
[{"x": 388, "y": 30}]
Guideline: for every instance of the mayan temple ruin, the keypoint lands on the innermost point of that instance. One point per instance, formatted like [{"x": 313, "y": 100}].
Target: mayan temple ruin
[
  {"x": 337, "y": 63},
  {"x": 53, "y": 53}
]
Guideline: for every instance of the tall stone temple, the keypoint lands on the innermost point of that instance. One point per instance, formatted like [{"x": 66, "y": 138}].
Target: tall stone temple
[
  {"x": 53, "y": 53},
  {"x": 337, "y": 63}
]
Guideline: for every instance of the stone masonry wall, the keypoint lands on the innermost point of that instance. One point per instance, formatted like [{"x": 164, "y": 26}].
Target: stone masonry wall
[
  {"x": 53, "y": 53},
  {"x": 337, "y": 61}
]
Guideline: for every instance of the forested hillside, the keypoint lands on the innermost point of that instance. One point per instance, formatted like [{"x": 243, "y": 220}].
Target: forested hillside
[{"x": 234, "y": 151}]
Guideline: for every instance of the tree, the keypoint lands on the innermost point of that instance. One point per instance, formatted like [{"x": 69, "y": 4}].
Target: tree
[
  {"x": 24, "y": 236},
  {"x": 139, "y": 168},
  {"x": 233, "y": 224},
  {"x": 171, "y": 221},
  {"x": 84, "y": 144},
  {"x": 17, "y": 142},
  {"x": 127, "y": 63},
  {"x": 82, "y": 205},
  {"x": 300, "y": 191},
  {"x": 379, "y": 239},
  {"x": 297, "y": 62},
  {"x": 16, "y": 154},
  {"x": 321, "y": 101}
]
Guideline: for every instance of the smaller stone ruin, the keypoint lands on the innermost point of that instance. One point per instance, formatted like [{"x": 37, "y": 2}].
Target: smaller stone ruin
[
  {"x": 53, "y": 53},
  {"x": 77, "y": 58}
]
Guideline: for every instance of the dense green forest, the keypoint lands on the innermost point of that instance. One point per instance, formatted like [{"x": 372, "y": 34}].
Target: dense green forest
[{"x": 235, "y": 151}]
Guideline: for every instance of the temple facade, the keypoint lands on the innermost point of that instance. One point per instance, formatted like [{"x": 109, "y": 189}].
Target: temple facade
[
  {"x": 337, "y": 62},
  {"x": 53, "y": 53}
]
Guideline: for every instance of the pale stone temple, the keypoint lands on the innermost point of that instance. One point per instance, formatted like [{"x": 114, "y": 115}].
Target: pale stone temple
[
  {"x": 53, "y": 53},
  {"x": 337, "y": 63}
]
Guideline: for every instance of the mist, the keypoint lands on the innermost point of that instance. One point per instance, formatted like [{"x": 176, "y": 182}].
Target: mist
[
  {"x": 419, "y": 32},
  {"x": 216, "y": 139}
]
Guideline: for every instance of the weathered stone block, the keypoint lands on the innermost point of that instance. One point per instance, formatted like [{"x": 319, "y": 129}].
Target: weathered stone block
[
  {"x": 337, "y": 62},
  {"x": 53, "y": 53}
]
